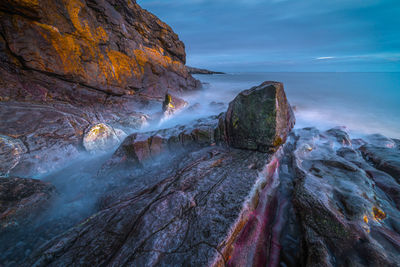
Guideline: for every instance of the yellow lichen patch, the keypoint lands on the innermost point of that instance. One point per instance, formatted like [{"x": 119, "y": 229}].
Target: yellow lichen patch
[
  {"x": 122, "y": 65},
  {"x": 156, "y": 57},
  {"x": 278, "y": 141},
  {"x": 101, "y": 34},
  {"x": 97, "y": 131},
  {"x": 378, "y": 214},
  {"x": 73, "y": 8},
  {"x": 365, "y": 219},
  {"x": 65, "y": 46}
]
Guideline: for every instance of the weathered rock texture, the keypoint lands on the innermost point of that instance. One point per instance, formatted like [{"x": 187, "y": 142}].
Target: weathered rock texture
[
  {"x": 22, "y": 200},
  {"x": 188, "y": 209},
  {"x": 259, "y": 118},
  {"x": 66, "y": 65},
  {"x": 114, "y": 47},
  {"x": 349, "y": 211}
]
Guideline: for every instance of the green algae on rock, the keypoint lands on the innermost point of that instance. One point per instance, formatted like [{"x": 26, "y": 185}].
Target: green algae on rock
[{"x": 259, "y": 118}]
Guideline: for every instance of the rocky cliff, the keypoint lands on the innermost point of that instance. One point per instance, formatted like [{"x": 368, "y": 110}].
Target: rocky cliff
[
  {"x": 89, "y": 47},
  {"x": 67, "y": 65}
]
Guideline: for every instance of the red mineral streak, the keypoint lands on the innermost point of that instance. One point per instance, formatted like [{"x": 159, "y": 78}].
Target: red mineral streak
[{"x": 258, "y": 242}]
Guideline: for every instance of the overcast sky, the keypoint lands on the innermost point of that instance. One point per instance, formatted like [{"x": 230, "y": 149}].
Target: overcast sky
[{"x": 285, "y": 35}]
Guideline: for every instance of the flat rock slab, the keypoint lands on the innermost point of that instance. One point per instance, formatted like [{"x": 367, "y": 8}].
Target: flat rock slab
[{"x": 181, "y": 220}]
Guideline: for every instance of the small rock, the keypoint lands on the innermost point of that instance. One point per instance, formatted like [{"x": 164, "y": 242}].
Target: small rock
[
  {"x": 102, "y": 137},
  {"x": 172, "y": 104}
]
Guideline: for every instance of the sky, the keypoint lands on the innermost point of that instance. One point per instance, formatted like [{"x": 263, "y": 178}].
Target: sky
[{"x": 286, "y": 35}]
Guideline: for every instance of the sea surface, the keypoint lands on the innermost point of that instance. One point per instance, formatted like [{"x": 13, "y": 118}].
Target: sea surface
[{"x": 365, "y": 103}]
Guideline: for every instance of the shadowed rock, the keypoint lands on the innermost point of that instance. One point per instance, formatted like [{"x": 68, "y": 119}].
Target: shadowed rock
[{"x": 23, "y": 200}]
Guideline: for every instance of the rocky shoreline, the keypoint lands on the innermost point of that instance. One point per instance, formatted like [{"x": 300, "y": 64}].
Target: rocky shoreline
[
  {"x": 187, "y": 196},
  {"x": 242, "y": 188}
]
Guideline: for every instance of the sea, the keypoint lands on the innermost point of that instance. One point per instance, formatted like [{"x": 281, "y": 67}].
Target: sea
[{"x": 365, "y": 103}]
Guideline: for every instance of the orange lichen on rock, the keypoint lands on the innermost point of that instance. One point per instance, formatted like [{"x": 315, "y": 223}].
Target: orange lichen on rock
[
  {"x": 66, "y": 47},
  {"x": 379, "y": 214},
  {"x": 156, "y": 57},
  {"x": 122, "y": 65},
  {"x": 365, "y": 218}
]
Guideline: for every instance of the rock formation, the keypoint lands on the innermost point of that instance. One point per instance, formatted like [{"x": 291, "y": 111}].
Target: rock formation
[
  {"x": 101, "y": 47},
  {"x": 67, "y": 65},
  {"x": 258, "y": 118},
  {"x": 179, "y": 210},
  {"x": 238, "y": 189}
]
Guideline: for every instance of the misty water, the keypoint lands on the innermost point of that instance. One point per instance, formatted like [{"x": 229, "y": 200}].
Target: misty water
[{"x": 363, "y": 102}]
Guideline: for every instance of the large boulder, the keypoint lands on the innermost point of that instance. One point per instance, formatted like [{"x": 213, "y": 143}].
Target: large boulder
[{"x": 259, "y": 118}]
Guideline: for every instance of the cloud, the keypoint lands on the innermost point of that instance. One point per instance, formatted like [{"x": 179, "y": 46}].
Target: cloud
[
  {"x": 324, "y": 58},
  {"x": 300, "y": 31}
]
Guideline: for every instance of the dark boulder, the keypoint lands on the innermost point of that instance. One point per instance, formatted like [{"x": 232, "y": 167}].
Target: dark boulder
[{"x": 259, "y": 118}]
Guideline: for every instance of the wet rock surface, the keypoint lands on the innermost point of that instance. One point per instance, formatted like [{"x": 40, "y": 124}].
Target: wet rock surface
[
  {"x": 181, "y": 220},
  {"x": 22, "y": 200},
  {"x": 315, "y": 201},
  {"x": 182, "y": 196},
  {"x": 348, "y": 209},
  {"x": 101, "y": 137},
  {"x": 11, "y": 150}
]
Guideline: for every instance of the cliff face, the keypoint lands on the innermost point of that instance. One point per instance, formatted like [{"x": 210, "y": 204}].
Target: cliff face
[
  {"x": 100, "y": 46},
  {"x": 66, "y": 65}
]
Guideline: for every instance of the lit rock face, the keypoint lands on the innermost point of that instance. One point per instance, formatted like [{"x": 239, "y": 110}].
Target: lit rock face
[
  {"x": 259, "y": 118},
  {"x": 114, "y": 47},
  {"x": 11, "y": 150},
  {"x": 102, "y": 137}
]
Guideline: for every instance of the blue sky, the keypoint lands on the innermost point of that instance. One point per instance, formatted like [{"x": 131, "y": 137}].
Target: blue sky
[{"x": 285, "y": 35}]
